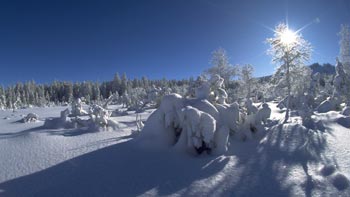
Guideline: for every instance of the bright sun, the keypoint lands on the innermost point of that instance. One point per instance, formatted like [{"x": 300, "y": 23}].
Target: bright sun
[{"x": 288, "y": 37}]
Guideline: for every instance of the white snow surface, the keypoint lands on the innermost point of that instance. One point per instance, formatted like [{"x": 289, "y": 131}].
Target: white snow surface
[{"x": 283, "y": 160}]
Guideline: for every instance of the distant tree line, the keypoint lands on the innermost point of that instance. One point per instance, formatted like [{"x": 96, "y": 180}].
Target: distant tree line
[{"x": 61, "y": 92}]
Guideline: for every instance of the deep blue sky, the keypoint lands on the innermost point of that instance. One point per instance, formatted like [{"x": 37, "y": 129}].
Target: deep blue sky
[{"x": 91, "y": 40}]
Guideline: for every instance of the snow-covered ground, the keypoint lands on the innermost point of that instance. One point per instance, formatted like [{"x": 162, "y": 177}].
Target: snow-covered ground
[{"x": 284, "y": 160}]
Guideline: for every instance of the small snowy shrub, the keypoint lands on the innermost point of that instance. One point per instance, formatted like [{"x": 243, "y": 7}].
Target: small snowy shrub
[{"x": 31, "y": 117}]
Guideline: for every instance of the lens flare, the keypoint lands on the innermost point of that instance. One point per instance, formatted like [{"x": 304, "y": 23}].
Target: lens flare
[{"x": 288, "y": 37}]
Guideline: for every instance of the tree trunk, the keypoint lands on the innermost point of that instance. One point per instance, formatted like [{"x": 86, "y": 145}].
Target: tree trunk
[{"x": 288, "y": 93}]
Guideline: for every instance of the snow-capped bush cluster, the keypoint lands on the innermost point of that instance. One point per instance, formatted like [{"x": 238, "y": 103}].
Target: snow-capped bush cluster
[
  {"x": 97, "y": 118},
  {"x": 203, "y": 123},
  {"x": 31, "y": 117}
]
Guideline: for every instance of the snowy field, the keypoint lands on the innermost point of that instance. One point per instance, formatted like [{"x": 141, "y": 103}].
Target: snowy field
[{"x": 282, "y": 160}]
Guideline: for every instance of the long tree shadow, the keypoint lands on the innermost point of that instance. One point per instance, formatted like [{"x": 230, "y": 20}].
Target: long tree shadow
[
  {"x": 70, "y": 132},
  {"x": 268, "y": 165},
  {"x": 21, "y": 133},
  {"x": 123, "y": 169}
]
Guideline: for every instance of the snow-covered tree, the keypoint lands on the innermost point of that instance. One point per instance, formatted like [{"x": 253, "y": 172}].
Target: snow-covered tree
[
  {"x": 124, "y": 84},
  {"x": 288, "y": 50},
  {"x": 344, "y": 42},
  {"x": 221, "y": 66},
  {"x": 116, "y": 84},
  {"x": 246, "y": 75},
  {"x": 341, "y": 84}
]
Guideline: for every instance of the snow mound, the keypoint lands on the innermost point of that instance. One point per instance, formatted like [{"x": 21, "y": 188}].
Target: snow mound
[
  {"x": 205, "y": 106},
  {"x": 186, "y": 124},
  {"x": 340, "y": 181},
  {"x": 229, "y": 116}
]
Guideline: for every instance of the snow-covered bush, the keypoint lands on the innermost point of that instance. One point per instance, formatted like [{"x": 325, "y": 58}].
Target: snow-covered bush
[
  {"x": 111, "y": 98},
  {"x": 199, "y": 128},
  {"x": 194, "y": 124},
  {"x": 217, "y": 89},
  {"x": 211, "y": 90},
  {"x": 100, "y": 118},
  {"x": 31, "y": 117},
  {"x": 61, "y": 122},
  {"x": 171, "y": 107},
  {"x": 251, "y": 109},
  {"x": 77, "y": 108},
  {"x": 263, "y": 114},
  {"x": 230, "y": 116},
  {"x": 201, "y": 124},
  {"x": 203, "y": 91}
]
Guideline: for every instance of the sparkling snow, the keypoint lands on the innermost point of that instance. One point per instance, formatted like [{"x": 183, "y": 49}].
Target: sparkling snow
[{"x": 285, "y": 160}]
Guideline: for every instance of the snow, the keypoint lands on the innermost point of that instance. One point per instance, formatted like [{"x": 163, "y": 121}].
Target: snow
[
  {"x": 200, "y": 126},
  {"x": 282, "y": 160}
]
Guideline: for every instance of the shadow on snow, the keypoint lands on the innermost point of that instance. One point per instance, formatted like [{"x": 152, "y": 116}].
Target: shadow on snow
[
  {"x": 122, "y": 169},
  {"x": 262, "y": 168}
]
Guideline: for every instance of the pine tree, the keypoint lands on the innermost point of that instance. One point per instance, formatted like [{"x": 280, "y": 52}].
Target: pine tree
[
  {"x": 124, "y": 84},
  {"x": 116, "y": 83}
]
